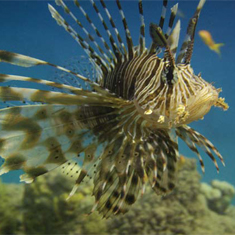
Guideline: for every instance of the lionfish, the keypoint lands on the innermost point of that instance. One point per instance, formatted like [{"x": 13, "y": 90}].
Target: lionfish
[{"x": 125, "y": 125}]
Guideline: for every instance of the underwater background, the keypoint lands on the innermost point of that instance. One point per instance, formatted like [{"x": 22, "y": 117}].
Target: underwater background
[{"x": 27, "y": 27}]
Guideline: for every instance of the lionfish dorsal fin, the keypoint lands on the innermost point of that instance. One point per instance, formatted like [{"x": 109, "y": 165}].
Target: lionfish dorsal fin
[
  {"x": 157, "y": 36},
  {"x": 174, "y": 10},
  {"x": 127, "y": 31},
  {"x": 163, "y": 14},
  {"x": 186, "y": 50},
  {"x": 159, "y": 40},
  {"x": 142, "y": 28},
  {"x": 173, "y": 40}
]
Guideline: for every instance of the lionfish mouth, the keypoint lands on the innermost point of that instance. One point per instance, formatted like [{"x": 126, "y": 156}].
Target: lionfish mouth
[{"x": 123, "y": 128}]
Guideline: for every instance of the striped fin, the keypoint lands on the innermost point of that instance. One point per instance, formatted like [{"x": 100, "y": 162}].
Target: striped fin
[
  {"x": 159, "y": 40},
  {"x": 171, "y": 20},
  {"x": 173, "y": 40},
  {"x": 163, "y": 15},
  {"x": 39, "y": 138},
  {"x": 186, "y": 50},
  {"x": 19, "y": 60},
  {"x": 111, "y": 39},
  {"x": 62, "y": 87},
  {"x": 27, "y": 61},
  {"x": 77, "y": 4},
  {"x": 161, "y": 164},
  {"x": 192, "y": 138},
  {"x": 142, "y": 29},
  {"x": 156, "y": 31},
  {"x": 87, "y": 48},
  {"x": 192, "y": 146},
  {"x": 125, "y": 167},
  {"x": 83, "y": 97},
  {"x": 157, "y": 36},
  {"x": 127, "y": 31},
  {"x": 115, "y": 189},
  {"x": 101, "y": 54},
  {"x": 122, "y": 46}
]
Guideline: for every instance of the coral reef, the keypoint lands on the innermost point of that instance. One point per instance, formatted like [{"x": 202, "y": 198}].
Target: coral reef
[
  {"x": 10, "y": 208},
  {"x": 48, "y": 212},
  {"x": 192, "y": 208},
  {"x": 219, "y": 195},
  {"x": 184, "y": 211}
]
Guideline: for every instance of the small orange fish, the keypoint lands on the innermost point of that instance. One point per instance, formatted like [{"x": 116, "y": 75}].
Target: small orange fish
[{"x": 208, "y": 40}]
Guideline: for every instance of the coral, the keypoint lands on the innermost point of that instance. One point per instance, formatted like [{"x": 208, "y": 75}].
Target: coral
[
  {"x": 219, "y": 195},
  {"x": 10, "y": 208},
  {"x": 186, "y": 210},
  {"x": 170, "y": 214},
  {"x": 48, "y": 212}
]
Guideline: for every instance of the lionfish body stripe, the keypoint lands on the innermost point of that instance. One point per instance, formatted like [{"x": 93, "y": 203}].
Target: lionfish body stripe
[{"x": 123, "y": 128}]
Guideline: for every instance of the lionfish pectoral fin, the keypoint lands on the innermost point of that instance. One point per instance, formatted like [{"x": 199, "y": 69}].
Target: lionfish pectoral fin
[
  {"x": 39, "y": 138},
  {"x": 162, "y": 163},
  {"x": 119, "y": 177},
  {"x": 82, "y": 172},
  {"x": 193, "y": 139},
  {"x": 73, "y": 171},
  {"x": 27, "y": 61},
  {"x": 18, "y": 59},
  {"x": 125, "y": 167}
]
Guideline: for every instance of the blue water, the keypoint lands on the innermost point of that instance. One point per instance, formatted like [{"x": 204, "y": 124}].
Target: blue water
[{"x": 27, "y": 27}]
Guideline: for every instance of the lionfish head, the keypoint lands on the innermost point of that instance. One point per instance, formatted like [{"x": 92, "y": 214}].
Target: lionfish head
[{"x": 174, "y": 95}]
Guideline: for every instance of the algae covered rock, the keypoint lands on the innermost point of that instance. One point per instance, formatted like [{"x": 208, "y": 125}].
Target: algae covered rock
[
  {"x": 43, "y": 209},
  {"x": 184, "y": 211},
  {"x": 170, "y": 214},
  {"x": 219, "y": 195},
  {"x": 46, "y": 210},
  {"x": 10, "y": 208}
]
